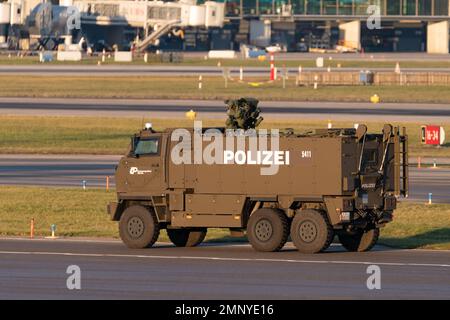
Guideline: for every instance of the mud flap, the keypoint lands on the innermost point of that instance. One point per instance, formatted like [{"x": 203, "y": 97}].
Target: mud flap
[
  {"x": 114, "y": 210},
  {"x": 334, "y": 207}
]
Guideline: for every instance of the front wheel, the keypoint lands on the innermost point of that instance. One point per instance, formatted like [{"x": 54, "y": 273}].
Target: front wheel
[
  {"x": 311, "y": 232},
  {"x": 187, "y": 237},
  {"x": 138, "y": 227},
  {"x": 360, "y": 241},
  {"x": 268, "y": 229}
]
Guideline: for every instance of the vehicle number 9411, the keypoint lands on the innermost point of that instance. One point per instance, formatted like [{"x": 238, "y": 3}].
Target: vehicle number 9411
[{"x": 306, "y": 154}]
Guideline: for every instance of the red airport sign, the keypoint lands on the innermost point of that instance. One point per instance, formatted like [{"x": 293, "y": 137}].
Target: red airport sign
[{"x": 433, "y": 135}]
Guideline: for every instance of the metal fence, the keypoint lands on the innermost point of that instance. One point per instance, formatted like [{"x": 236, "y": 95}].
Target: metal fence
[{"x": 379, "y": 78}]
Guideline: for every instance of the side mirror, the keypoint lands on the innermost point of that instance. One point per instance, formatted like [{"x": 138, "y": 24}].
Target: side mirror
[{"x": 133, "y": 146}]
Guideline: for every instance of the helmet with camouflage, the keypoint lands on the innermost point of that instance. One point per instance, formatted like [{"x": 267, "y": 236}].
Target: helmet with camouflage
[{"x": 243, "y": 113}]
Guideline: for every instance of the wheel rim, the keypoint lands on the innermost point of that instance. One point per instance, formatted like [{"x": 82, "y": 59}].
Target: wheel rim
[
  {"x": 307, "y": 231},
  {"x": 263, "y": 230},
  {"x": 135, "y": 227}
]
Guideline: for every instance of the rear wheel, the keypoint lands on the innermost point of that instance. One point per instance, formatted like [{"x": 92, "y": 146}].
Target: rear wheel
[
  {"x": 360, "y": 241},
  {"x": 311, "y": 232},
  {"x": 187, "y": 237},
  {"x": 268, "y": 229},
  {"x": 138, "y": 227}
]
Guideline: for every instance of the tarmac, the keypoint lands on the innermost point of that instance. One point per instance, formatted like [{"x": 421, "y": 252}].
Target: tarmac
[
  {"x": 215, "y": 109},
  {"x": 37, "y": 269},
  {"x": 175, "y": 70}
]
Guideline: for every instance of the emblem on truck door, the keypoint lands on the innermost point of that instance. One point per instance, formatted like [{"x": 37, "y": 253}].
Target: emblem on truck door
[{"x": 135, "y": 170}]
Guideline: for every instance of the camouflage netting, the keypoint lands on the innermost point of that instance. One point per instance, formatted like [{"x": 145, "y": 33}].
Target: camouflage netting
[{"x": 243, "y": 114}]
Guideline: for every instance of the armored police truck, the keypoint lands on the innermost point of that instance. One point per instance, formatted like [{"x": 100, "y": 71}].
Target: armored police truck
[{"x": 310, "y": 186}]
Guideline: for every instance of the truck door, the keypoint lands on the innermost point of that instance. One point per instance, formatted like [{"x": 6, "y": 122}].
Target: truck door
[{"x": 145, "y": 168}]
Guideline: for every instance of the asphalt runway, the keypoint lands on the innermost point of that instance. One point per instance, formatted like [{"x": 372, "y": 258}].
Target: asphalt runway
[
  {"x": 170, "y": 71},
  {"x": 63, "y": 171},
  {"x": 36, "y": 269},
  {"x": 349, "y": 111},
  {"x": 70, "y": 171}
]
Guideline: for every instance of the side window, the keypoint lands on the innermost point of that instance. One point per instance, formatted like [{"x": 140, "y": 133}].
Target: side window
[
  {"x": 147, "y": 147},
  {"x": 370, "y": 159}
]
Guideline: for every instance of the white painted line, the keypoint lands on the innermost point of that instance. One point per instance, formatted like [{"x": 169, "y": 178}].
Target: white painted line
[
  {"x": 288, "y": 245},
  {"x": 101, "y": 255}
]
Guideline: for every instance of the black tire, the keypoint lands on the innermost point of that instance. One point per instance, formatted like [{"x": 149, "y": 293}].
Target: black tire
[
  {"x": 187, "y": 237},
  {"x": 268, "y": 229},
  {"x": 360, "y": 241},
  {"x": 311, "y": 232},
  {"x": 138, "y": 227}
]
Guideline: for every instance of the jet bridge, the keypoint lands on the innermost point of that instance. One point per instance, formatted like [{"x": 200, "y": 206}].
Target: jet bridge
[
  {"x": 43, "y": 20},
  {"x": 157, "y": 18}
]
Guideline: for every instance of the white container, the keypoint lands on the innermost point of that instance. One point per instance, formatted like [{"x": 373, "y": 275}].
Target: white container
[
  {"x": 184, "y": 15},
  {"x": 123, "y": 56},
  {"x": 69, "y": 56},
  {"x": 66, "y": 3},
  {"x": 16, "y": 13},
  {"x": 221, "y": 54},
  {"x": 197, "y": 16},
  {"x": 5, "y": 13},
  {"x": 214, "y": 14}
]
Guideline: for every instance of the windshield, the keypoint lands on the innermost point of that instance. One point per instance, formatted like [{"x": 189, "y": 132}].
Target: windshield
[{"x": 148, "y": 146}]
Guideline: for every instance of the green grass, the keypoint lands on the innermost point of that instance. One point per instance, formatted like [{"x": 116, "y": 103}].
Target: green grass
[
  {"x": 93, "y": 135},
  {"x": 76, "y": 213},
  {"x": 79, "y": 213},
  {"x": 66, "y": 135},
  {"x": 151, "y": 87},
  {"x": 419, "y": 226}
]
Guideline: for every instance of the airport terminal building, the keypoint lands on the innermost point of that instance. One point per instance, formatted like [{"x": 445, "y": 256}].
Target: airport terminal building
[
  {"x": 406, "y": 25},
  {"x": 298, "y": 25}
]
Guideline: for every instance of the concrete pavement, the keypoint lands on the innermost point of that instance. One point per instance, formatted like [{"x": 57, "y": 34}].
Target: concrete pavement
[
  {"x": 36, "y": 269},
  {"x": 172, "y": 71},
  {"x": 343, "y": 111}
]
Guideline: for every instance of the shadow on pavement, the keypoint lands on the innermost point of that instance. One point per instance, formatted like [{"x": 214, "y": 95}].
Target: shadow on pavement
[
  {"x": 439, "y": 236},
  {"x": 335, "y": 247},
  {"x": 433, "y": 237}
]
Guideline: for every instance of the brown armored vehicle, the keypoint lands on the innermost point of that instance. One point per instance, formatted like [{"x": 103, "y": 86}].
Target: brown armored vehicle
[{"x": 328, "y": 182}]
